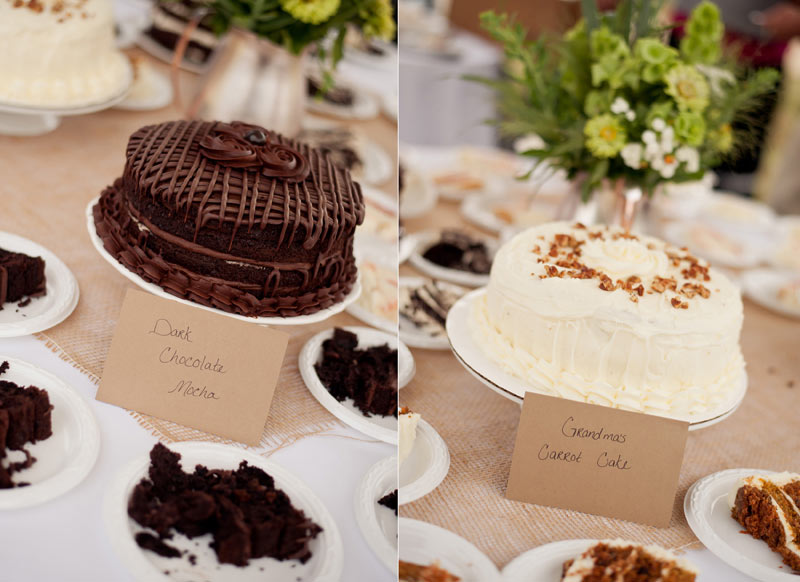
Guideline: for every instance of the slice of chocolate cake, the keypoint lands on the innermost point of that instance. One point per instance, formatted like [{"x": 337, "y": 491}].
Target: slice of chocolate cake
[
  {"x": 766, "y": 506},
  {"x": 368, "y": 377},
  {"x": 25, "y": 417},
  {"x": 247, "y": 516},
  {"x": 389, "y": 500},
  {"x": 20, "y": 276}
]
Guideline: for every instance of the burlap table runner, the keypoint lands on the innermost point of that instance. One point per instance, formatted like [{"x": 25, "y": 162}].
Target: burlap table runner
[
  {"x": 46, "y": 183},
  {"x": 479, "y": 427}
]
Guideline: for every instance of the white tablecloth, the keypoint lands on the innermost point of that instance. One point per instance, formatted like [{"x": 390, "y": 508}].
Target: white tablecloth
[{"x": 65, "y": 540}]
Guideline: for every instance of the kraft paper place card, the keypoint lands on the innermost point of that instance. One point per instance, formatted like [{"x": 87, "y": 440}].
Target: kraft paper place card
[
  {"x": 193, "y": 367},
  {"x": 597, "y": 460}
]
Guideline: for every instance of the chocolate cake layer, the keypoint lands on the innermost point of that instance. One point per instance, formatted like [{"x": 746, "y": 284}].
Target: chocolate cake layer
[
  {"x": 234, "y": 217},
  {"x": 20, "y": 276}
]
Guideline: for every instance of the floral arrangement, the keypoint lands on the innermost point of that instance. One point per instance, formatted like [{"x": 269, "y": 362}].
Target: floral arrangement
[
  {"x": 296, "y": 24},
  {"x": 611, "y": 101}
]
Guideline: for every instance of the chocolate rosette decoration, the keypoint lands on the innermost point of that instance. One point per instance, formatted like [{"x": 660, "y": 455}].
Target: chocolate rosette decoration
[{"x": 241, "y": 145}]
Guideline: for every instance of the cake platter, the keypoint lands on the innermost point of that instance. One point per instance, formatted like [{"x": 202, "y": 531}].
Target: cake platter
[
  {"x": 425, "y": 543},
  {"x": 65, "y": 458},
  {"x": 378, "y": 524},
  {"x": 470, "y": 354},
  {"x": 326, "y": 563},
  {"x": 26, "y": 120},
  {"x": 708, "y": 512},
  {"x": 544, "y": 563},
  {"x": 43, "y": 312},
  {"x": 383, "y": 428},
  {"x": 426, "y": 465},
  {"x": 315, "y": 317}
]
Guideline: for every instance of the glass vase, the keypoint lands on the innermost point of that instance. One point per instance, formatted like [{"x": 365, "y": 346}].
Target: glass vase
[{"x": 256, "y": 81}]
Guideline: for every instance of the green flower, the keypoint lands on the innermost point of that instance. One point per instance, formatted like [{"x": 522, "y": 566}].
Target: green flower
[
  {"x": 605, "y": 136},
  {"x": 699, "y": 50},
  {"x": 690, "y": 127},
  {"x": 378, "y": 20},
  {"x": 607, "y": 45},
  {"x": 311, "y": 11},
  {"x": 597, "y": 102},
  {"x": 722, "y": 138},
  {"x": 688, "y": 87},
  {"x": 653, "y": 51},
  {"x": 659, "y": 110},
  {"x": 705, "y": 21}
]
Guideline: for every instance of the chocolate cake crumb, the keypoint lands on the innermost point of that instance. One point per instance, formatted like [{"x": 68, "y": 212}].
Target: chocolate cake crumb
[
  {"x": 148, "y": 541},
  {"x": 389, "y": 500},
  {"x": 368, "y": 376},
  {"x": 247, "y": 516}
]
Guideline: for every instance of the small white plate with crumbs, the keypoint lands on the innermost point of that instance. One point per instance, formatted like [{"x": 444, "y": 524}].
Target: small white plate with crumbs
[
  {"x": 378, "y": 521},
  {"x": 35, "y": 314},
  {"x": 198, "y": 560},
  {"x": 427, "y": 240},
  {"x": 424, "y": 544},
  {"x": 426, "y": 465},
  {"x": 707, "y": 506},
  {"x": 778, "y": 291},
  {"x": 377, "y": 426},
  {"x": 67, "y": 456},
  {"x": 545, "y": 563},
  {"x": 418, "y": 326}
]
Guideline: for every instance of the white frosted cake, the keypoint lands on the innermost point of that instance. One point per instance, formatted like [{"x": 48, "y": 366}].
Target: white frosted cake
[
  {"x": 59, "y": 53},
  {"x": 599, "y": 315}
]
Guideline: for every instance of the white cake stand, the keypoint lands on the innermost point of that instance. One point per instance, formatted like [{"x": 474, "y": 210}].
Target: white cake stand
[{"x": 27, "y": 120}]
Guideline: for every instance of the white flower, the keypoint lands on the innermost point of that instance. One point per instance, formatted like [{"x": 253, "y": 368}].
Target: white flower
[
  {"x": 528, "y": 142},
  {"x": 717, "y": 77},
  {"x": 632, "y": 155},
  {"x": 666, "y": 165},
  {"x": 630, "y": 115},
  {"x": 690, "y": 157},
  {"x": 652, "y": 151},
  {"x": 658, "y": 124},
  {"x": 649, "y": 137},
  {"x": 620, "y": 106}
]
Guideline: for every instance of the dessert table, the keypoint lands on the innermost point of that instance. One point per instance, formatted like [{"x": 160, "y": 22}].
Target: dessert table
[
  {"x": 479, "y": 428},
  {"x": 47, "y": 181}
]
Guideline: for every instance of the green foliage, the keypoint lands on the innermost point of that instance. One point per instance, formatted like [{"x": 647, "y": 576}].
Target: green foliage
[
  {"x": 297, "y": 24},
  {"x": 611, "y": 100}
]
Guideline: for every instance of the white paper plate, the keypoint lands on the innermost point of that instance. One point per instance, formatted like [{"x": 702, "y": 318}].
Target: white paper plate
[
  {"x": 42, "y": 312},
  {"x": 544, "y": 564},
  {"x": 325, "y": 565},
  {"x": 754, "y": 246},
  {"x": 384, "y": 201},
  {"x": 418, "y": 196},
  {"x": 406, "y": 248},
  {"x": 370, "y": 247},
  {"x": 480, "y": 211},
  {"x": 411, "y": 334},
  {"x": 727, "y": 208},
  {"x": 64, "y": 459},
  {"x": 159, "y": 95},
  {"x": 469, "y": 353},
  {"x": 424, "y": 543},
  {"x": 762, "y": 286},
  {"x": 423, "y": 240},
  {"x": 383, "y": 428},
  {"x": 365, "y": 105},
  {"x": 709, "y": 515},
  {"x": 386, "y": 61},
  {"x": 785, "y": 255},
  {"x": 316, "y": 317},
  {"x": 378, "y": 524},
  {"x": 426, "y": 466}
]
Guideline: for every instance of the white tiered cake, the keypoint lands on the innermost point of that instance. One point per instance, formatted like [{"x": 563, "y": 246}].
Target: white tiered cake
[
  {"x": 598, "y": 315},
  {"x": 59, "y": 53}
]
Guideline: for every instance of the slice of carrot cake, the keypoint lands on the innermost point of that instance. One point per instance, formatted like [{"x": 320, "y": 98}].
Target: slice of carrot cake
[
  {"x": 767, "y": 507},
  {"x": 621, "y": 561}
]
